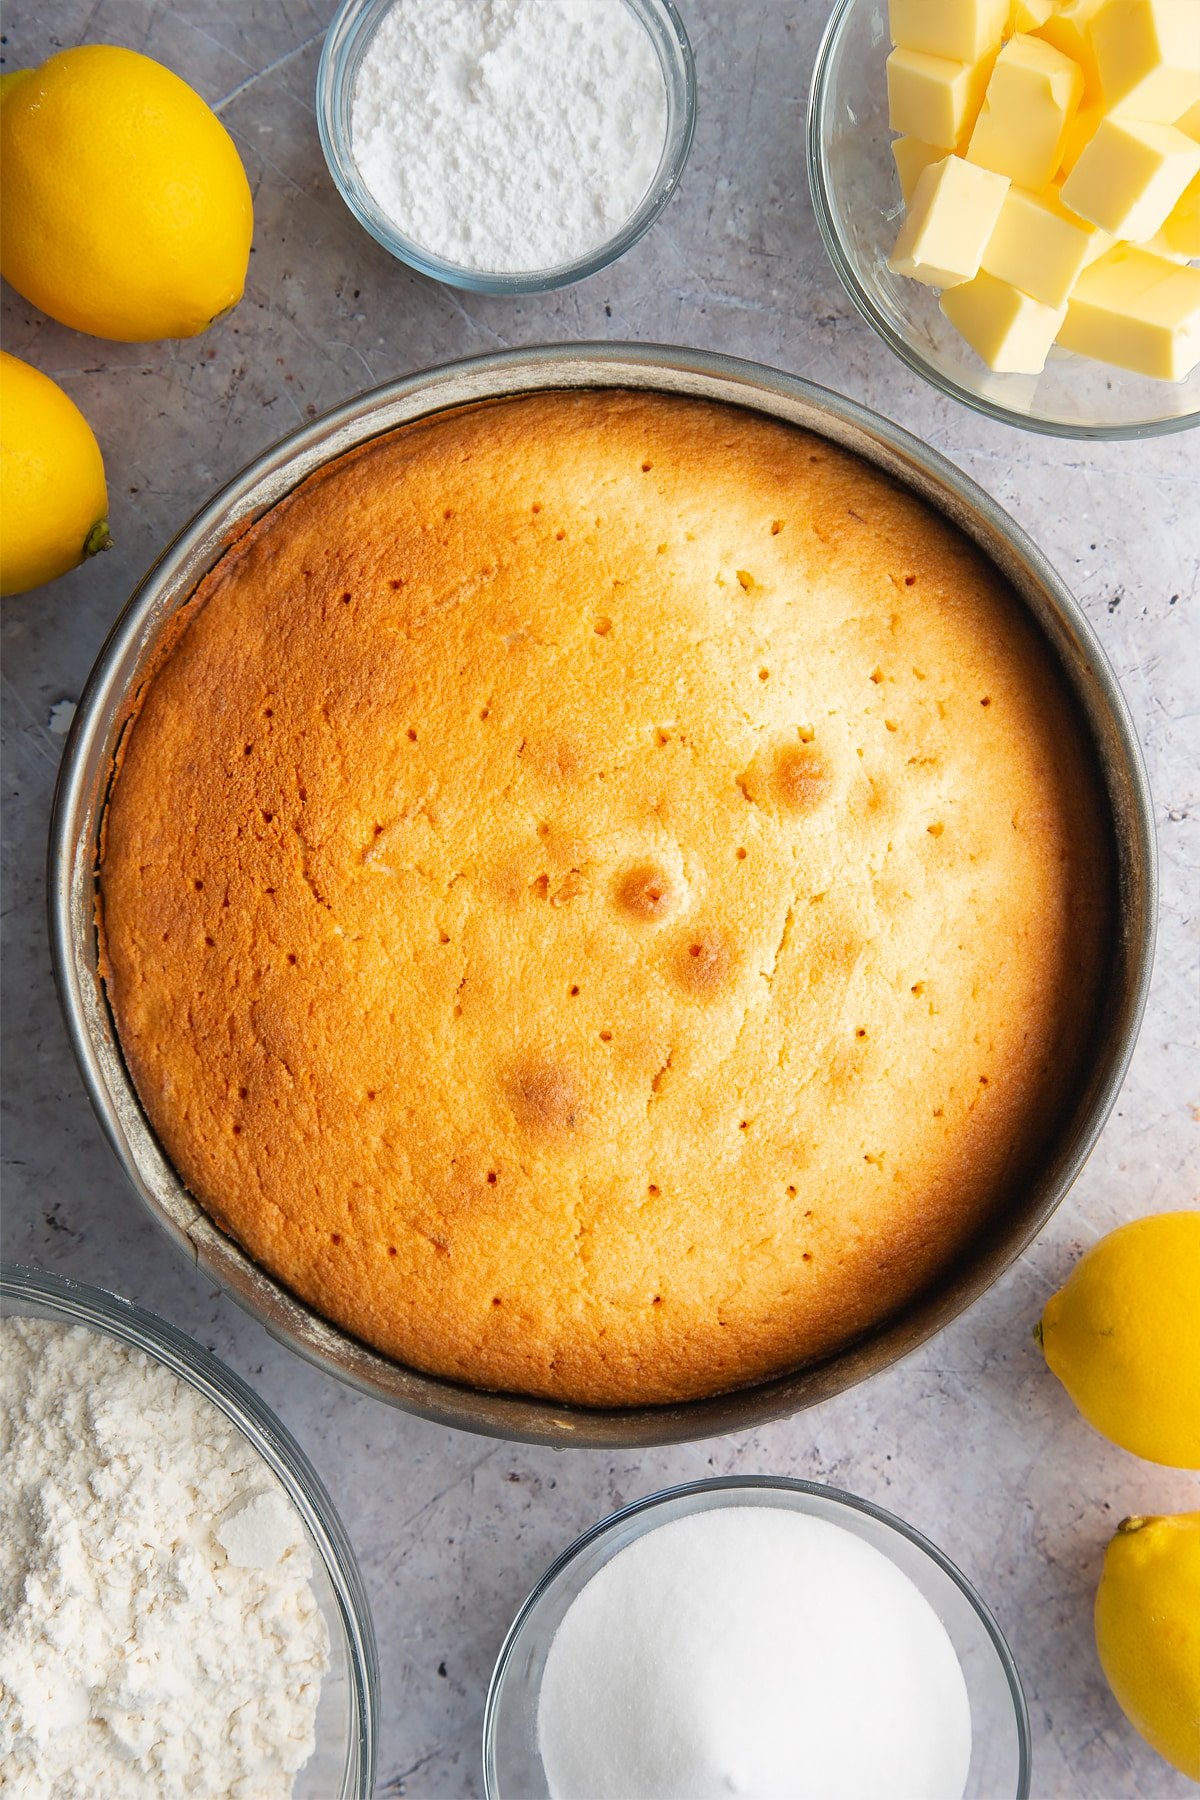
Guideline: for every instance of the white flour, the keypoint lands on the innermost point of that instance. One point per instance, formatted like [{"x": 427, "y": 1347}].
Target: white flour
[
  {"x": 158, "y": 1632},
  {"x": 755, "y": 1652},
  {"x": 508, "y": 135}
]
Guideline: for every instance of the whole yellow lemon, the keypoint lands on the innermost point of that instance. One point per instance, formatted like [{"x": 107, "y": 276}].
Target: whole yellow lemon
[
  {"x": 52, "y": 494},
  {"x": 1123, "y": 1336},
  {"x": 1148, "y": 1632},
  {"x": 124, "y": 207}
]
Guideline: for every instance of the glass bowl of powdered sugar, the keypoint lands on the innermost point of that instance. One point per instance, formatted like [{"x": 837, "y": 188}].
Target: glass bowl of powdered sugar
[
  {"x": 755, "y": 1636},
  {"x": 506, "y": 146},
  {"x": 180, "y": 1608}
]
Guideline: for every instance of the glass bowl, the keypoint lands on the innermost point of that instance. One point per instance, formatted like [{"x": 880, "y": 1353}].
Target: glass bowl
[
  {"x": 1000, "y": 1746},
  {"x": 346, "y": 41},
  {"x": 342, "y": 1766},
  {"x": 856, "y": 196}
]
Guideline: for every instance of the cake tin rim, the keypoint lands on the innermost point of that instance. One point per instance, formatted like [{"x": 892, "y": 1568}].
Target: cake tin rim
[
  {"x": 800, "y": 1490},
  {"x": 336, "y": 147},
  {"x": 106, "y": 699},
  {"x": 100, "y": 1309},
  {"x": 819, "y": 185}
]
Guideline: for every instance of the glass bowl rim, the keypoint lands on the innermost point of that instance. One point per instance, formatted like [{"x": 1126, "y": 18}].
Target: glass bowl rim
[
  {"x": 800, "y": 1491},
  {"x": 820, "y": 186},
  {"x": 78, "y": 1302},
  {"x": 332, "y": 73}
]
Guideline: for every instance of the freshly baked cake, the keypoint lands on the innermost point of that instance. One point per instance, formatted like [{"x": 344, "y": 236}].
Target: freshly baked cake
[{"x": 604, "y": 896}]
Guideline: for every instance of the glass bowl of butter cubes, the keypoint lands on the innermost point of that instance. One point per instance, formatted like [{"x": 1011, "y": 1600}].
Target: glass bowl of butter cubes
[{"x": 1010, "y": 193}]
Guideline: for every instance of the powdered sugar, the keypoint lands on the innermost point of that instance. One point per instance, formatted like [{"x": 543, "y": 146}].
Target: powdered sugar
[
  {"x": 158, "y": 1630},
  {"x": 509, "y": 135}
]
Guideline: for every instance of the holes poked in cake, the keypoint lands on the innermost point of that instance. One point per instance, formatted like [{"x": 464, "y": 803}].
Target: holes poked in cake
[
  {"x": 793, "y": 777},
  {"x": 545, "y": 1096},
  {"x": 801, "y": 778},
  {"x": 705, "y": 962},
  {"x": 646, "y": 893}
]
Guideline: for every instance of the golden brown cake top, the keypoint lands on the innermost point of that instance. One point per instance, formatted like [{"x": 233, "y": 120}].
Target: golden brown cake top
[{"x": 604, "y": 895}]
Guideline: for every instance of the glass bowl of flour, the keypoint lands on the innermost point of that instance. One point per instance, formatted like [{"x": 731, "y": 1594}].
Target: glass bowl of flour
[
  {"x": 506, "y": 146},
  {"x": 180, "y": 1608},
  {"x": 755, "y": 1636}
]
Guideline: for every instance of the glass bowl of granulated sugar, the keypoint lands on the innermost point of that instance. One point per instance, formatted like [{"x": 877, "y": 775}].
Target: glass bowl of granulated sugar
[
  {"x": 512, "y": 146},
  {"x": 761, "y": 1637},
  {"x": 181, "y": 1612}
]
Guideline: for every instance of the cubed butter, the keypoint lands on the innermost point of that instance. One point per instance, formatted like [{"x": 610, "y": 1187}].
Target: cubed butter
[
  {"x": 934, "y": 99},
  {"x": 912, "y": 158},
  {"x": 1009, "y": 330},
  {"x": 1135, "y": 310},
  {"x": 1130, "y": 175},
  {"x": 1148, "y": 55},
  {"x": 960, "y": 30},
  {"x": 1066, "y": 29},
  {"x": 947, "y": 227},
  {"x": 1041, "y": 247},
  {"x": 1030, "y": 100},
  {"x": 1189, "y": 124}
]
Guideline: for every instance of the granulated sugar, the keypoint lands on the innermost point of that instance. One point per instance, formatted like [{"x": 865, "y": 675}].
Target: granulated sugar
[
  {"x": 509, "y": 135},
  {"x": 755, "y": 1652}
]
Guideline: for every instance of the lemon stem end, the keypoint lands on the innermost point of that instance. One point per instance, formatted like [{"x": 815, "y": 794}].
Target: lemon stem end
[{"x": 98, "y": 538}]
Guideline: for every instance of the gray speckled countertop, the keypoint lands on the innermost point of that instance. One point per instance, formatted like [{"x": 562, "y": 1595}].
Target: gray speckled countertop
[{"x": 971, "y": 1439}]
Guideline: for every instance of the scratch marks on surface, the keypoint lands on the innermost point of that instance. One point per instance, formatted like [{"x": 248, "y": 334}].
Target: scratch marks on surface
[{"x": 280, "y": 62}]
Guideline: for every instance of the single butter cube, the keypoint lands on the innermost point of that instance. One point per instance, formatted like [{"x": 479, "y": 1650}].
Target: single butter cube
[
  {"x": 1181, "y": 229},
  {"x": 912, "y": 158},
  {"x": 1067, "y": 30},
  {"x": 1028, "y": 15},
  {"x": 1160, "y": 245},
  {"x": 933, "y": 99},
  {"x": 1148, "y": 54},
  {"x": 960, "y": 30},
  {"x": 1030, "y": 100},
  {"x": 1138, "y": 311},
  {"x": 1040, "y": 247},
  {"x": 952, "y": 216},
  {"x": 1078, "y": 136},
  {"x": 1130, "y": 175},
  {"x": 1011, "y": 332}
]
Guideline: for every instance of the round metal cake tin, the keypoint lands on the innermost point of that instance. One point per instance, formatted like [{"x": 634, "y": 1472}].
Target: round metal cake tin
[{"x": 128, "y": 658}]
